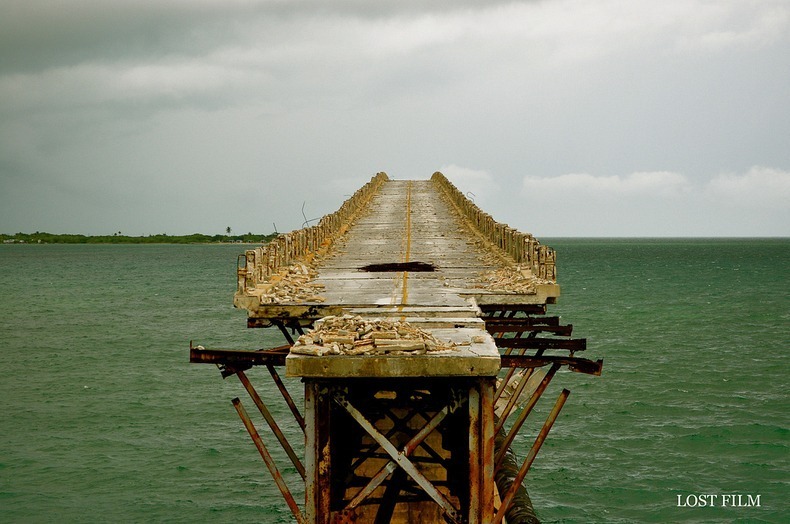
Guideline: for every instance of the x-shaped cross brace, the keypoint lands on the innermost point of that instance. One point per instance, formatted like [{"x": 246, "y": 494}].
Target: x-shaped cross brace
[{"x": 401, "y": 458}]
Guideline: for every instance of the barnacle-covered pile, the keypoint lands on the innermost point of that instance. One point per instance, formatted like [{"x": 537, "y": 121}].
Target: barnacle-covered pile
[{"x": 354, "y": 335}]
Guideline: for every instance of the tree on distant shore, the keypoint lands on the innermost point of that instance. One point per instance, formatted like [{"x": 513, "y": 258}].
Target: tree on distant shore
[
  {"x": 228, "y": 230},
  {"x": 40, "y": 237}
]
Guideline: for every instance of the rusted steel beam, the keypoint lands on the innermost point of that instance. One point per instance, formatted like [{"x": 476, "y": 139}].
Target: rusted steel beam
[
  {"x": 271, "y": 422},
  {"x": 318, "y": 450},
  {"x": 481, "y": 452},
  {"x": 401, "y": 425},
  {"x": 258, "y": 322},
  {"x": 526, "y": 321},
  {"x": 269, "y": 461},
  {"x": 475, "y": 475},
  {"x": 490, "y": 310},
  {"x": 507, "y": 499},
  {"x": 579, "y": 365},
  {"x": 265, "y": 322},
  {"x": 495, "y": 328},
  {"x": 509, "y": 375},
  {"x": 487, "y": 448},
  {"x": 371, "y": 486},
  {"x": 408, "y": 449},
  {"x": 522, "y": 417},
  {"x": 573, "y": 344},
  {"x": 275, "y": 356},
  {"x": 284, "y": 330},
  {"x": 514, "y": 398},
  {"x": 505, "y": 380},
  {"x": 287, "y": 396},
  {"x": 390, "y": 497}
]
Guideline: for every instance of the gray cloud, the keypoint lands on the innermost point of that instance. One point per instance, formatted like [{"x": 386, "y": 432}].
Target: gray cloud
[
  {"x": 139, "y": 114},
  {"x": 663, "y": 203}
]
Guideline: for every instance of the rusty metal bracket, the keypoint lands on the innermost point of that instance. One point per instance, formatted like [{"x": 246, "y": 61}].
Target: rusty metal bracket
[
  {"x": 579, "y": 365},
  {"x": 239, "y": 358},
  {"x": 267, "y": 458},
  {"x": 284, "y": 330},
  {"x": 572, "y": 344},
  {"x": 287, "y": 396},
  {"x": 524, "y": 379},
  {"x": 522, "y": 417},
  {"x": 512, "y": 369},
  {"x": 507, "y": 498},
  {"x": 532, "y": 324},
  {"x": 272, "y": 423},
  {"x": 500, "y": 310}
]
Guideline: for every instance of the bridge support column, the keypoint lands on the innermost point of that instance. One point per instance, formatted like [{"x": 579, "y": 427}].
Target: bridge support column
[{"x": 399, "y": 450}]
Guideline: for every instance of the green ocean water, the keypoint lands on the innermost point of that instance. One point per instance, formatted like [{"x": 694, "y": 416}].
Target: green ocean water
[{"x": 104, "y": 420}]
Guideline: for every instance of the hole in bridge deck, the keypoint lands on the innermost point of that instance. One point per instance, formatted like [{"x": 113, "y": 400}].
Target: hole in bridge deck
[{"x": 399, "y": 266}]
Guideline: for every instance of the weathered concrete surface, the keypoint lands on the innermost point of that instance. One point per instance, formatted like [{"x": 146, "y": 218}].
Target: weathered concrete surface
[
  {"x": 476, "y": 355},
  {"x": 407, "y": 221}
]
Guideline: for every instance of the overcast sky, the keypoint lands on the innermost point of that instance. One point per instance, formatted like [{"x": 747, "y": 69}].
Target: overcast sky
[{"x": 559, "y": 117}]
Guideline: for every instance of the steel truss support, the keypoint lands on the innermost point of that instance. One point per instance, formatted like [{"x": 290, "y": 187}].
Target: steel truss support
[
  {"x": 507, "y": 497},
  {"x": 271, "y": 422},
  {"x": 347, "y": 482},
  {"x": 521, "y": 337},
  {"x": 267, "y": 458},
  {"x": 399, "y": 458},
  {"x": 377, "y": 450}
]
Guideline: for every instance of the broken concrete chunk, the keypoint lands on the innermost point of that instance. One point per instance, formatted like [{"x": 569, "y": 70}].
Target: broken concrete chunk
[
  {"x": 354, "y": 335},
  {"x": 379, "y": 335},
  {"x": 314, "y": 350}
]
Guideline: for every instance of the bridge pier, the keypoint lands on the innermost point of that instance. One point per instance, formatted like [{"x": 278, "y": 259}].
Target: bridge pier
[
  {"x": 399, "y": 451},
  {"x": 427, "y": 337}
]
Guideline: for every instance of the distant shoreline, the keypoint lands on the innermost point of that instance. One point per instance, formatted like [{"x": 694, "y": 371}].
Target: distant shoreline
[{"x": 196, "y": 238}]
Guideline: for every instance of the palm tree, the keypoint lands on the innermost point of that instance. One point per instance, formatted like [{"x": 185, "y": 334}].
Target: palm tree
[{"x": 228, "y": 230}]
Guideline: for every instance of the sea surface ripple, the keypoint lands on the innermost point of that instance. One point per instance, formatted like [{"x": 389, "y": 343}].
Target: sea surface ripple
[{"x": 104, "y": 420}]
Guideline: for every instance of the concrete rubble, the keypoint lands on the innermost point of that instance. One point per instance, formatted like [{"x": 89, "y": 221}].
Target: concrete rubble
[
  {"x": 511, "y": 279},
  {"x": 355, "y": 335},
  {"x": 292, "y": 284}
]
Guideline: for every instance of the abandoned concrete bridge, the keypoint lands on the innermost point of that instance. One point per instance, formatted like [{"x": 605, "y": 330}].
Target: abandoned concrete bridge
[{"x": 418, "y": 326}]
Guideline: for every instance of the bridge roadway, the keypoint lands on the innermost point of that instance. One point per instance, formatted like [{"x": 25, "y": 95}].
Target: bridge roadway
[
  {"x": 409, "y": 222},
  {"x": 393, "y": 436},
  {"x": 406, "y": 221}
]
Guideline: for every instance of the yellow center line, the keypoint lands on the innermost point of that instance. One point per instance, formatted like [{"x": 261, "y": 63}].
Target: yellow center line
[{"x": 407, "y": 253}]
